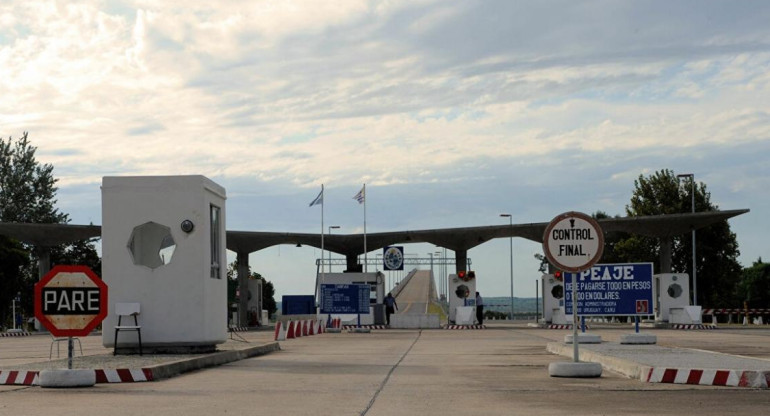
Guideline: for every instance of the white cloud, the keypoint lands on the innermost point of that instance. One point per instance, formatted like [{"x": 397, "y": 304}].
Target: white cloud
[{"x": 482, "y": 95}]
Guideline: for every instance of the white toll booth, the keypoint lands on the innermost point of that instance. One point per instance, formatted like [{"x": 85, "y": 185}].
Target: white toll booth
[
  {"x": 462, "y": 299},
  {"x": 553, "y": 300},
  {"x": 163, "y": 246},
  {"x": 376, "y": 280},
  {"x": 671, "y": 293}
]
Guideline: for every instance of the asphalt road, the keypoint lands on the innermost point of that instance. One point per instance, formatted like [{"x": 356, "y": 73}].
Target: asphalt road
[
  {"x": 498, "y": 371},
  {"x": 415, "y": 296}
]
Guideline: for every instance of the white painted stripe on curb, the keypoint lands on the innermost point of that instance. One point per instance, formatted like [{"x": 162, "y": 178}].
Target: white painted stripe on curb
[
  {"x": 682, "y": 376},
  {"x": 707, "y": 378},
  {"x": 138, "y": 375},
  {"x": 112, "y": 376}
]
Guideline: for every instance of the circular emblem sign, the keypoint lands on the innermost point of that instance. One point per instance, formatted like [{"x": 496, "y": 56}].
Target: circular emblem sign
[
  {"x": 573, "y": 241},
  {"x": 393, "y": 259}
]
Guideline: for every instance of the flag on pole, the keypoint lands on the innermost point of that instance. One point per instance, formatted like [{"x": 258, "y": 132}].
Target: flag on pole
[
  {"x": 319, "y": 199},
  {"x": 361, "y": 195}
]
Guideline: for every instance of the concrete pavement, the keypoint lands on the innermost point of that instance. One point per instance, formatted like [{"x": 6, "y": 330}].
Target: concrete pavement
[{"x": 498, "y": 371}]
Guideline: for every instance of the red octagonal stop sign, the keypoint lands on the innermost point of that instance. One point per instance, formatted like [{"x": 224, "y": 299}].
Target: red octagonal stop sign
[{"x": 70, "y": 301}]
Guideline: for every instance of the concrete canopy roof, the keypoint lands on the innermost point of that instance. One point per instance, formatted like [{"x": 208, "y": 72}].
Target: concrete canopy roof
[
  {"x": 49, "y": 235},
  {"x": 457, "y": 239}
]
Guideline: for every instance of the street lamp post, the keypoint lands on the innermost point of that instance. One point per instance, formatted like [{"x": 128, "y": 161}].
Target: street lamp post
[
  {"x": 694, "y": 272},
  {"x": 438, "y": 254},
  {"x": 431, "y": 264},
  {"x": 510, "y": 242},
  {"x": 331, "y": 227}
]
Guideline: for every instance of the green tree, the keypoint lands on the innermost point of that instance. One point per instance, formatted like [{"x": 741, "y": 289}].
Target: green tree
[
  {"x": 27, "y": 188},
  {"x": 13, "y": 261},
  {"x": 754, "y": 286},
  {"x": 81, "y": 253},
  {"x": 268, "y": 297},
  {"x": 611, "y": 240},
  {"x": 718, "y": 270},
  {"x": 28, "y": 195}
]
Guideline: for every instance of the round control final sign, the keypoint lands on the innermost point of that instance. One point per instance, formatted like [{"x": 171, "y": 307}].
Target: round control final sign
[
  {"x": 70, "y": 301},
  {"x": 573, "y": 241}
]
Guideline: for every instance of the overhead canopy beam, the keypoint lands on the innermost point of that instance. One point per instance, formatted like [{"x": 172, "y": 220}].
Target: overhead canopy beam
[{"x": 351, "y": 245}]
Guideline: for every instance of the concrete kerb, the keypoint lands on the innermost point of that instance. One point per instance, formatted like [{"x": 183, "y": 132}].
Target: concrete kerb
[
  {"x": 149, "y": 373},
  {"x": 650, "y": 374},
  {"x": 627, "y": 368},
  {"x": 168, "y": 370}
]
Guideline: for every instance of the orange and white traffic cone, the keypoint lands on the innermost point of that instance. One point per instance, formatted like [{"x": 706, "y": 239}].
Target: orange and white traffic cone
[{"x": 298, "y": 329}]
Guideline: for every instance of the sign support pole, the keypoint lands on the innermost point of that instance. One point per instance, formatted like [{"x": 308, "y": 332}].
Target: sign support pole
[
  {"x": 575, "y": 353},
  {"x": 573, "y": 242},
  {"x": 14, "y": 313},
  {"x": 70, "y": 348}
]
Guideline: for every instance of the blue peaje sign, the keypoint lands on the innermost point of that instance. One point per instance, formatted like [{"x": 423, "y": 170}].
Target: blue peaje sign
[
  {"x": 612, "y": 289},
  {"x": 345, "y": 299}
]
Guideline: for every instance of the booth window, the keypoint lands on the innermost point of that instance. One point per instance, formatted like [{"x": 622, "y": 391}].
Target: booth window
[
  {"x": 151, "y": 245},
  {"x": 216, "y": 261}
]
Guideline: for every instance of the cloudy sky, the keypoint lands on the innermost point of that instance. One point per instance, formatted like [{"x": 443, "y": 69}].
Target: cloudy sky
[{"x": 452, "y": 112}]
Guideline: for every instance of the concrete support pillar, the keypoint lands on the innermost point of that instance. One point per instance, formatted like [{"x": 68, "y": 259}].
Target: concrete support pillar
[
  {"x": 665, "y": 255},
  {"x": 243, "y": 287},
  {"x": 461, "y": 260},
  {"x": 352, "y": 263},
  {"x": 43, "y": 267},
  {"x": 43, "y": 262}
]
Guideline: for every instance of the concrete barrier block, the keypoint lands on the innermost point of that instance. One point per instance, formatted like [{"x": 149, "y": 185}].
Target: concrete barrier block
[
  {"x": 638, "y": 339},
  {"x": 574, "y": 370},
  {"x": 584, "y": 339},
  {"x": 67, "y": 378}
]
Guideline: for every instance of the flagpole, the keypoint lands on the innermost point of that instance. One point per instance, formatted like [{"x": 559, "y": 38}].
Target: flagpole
[
  {"x": 323, "y": 270},
  {"x": 365, "y": 251}
]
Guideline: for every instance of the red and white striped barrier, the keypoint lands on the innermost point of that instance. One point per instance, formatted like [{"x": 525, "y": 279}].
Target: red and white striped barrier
[
  {"x": 281, "y": 331},
  {"x": 692, "y": 326},
  {"x": 755, "y": 311},
  {"x": 238, "y": 329},
  {"x": 465, "y": 327},
  {"x": 295, "y": 329},
  {"x": 735, "y": 378},
  {"x": 123, "y": 375},
  {"x": 15, "y": 334},
  {"x": 364, "y": 326},
  {"x": 20, "y": 378}
]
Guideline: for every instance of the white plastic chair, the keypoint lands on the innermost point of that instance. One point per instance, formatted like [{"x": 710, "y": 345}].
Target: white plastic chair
[{"x": 127, "y": 309}]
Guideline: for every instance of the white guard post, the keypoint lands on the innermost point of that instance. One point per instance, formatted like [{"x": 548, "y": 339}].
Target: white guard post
[
  {"x": 462, "y": 294},
  {"x": 163, "y": 243},
  {"x": 671, "y": 295},
  {"x": 553, "y": 300}
]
